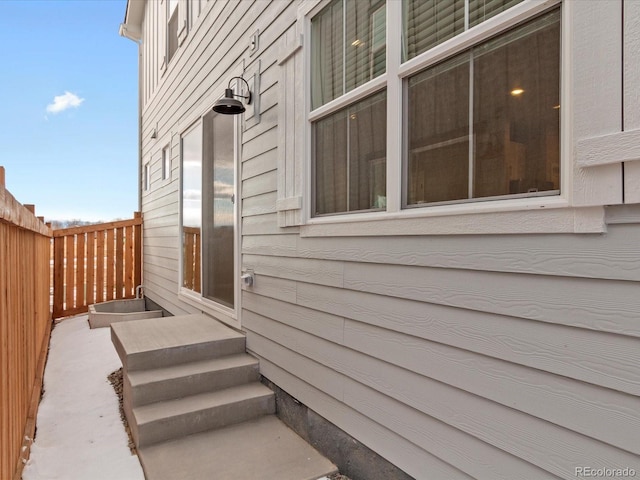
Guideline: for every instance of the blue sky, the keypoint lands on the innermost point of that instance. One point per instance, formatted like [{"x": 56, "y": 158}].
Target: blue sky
[{"x": 68, "y": 108}]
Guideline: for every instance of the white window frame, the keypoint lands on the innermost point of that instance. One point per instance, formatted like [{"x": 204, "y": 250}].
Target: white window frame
[
  {"x": 544, "y": 214},
  {"x": 165, "y": 159},
  {"x": 146, "y": 177},
  {"x": 191, "y": 12},
  {"x": 229, "y": 316},
  {"x": 168, "y": 16}
]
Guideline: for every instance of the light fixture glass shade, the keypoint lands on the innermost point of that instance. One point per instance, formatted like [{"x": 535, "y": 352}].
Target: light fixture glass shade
[{"x": 228, "y": 105}]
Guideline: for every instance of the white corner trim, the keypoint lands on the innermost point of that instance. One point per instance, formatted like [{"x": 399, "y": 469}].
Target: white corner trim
[
  {"x": 291, "y": 49},
  {"x": 608, "y": 149}
]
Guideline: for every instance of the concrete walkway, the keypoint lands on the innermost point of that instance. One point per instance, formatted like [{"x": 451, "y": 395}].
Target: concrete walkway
[{"x": 79, "y": 433}]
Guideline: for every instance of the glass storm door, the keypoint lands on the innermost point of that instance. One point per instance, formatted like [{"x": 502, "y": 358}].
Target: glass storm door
[{"x": 218, "y": 209}]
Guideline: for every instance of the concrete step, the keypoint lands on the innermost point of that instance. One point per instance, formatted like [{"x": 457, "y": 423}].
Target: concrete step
[
  {"x": 161, "y": 421},
  {"x": 142, "y": 387},
  {"x": 260, "y": 449},
  {"x": 166, "y": 341}
]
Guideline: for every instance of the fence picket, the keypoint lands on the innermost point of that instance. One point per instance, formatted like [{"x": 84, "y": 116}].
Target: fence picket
[
  {"x": 110, "y": 264},
  {"x": 91, "y": 261},
  {"x": 81, "y": 256},
  {"x": 119, "y": 261},
  {"x": 128, "y": 260},
  {"x": 58, "y": 276},
  {"x": 69, "y": 260},
  {"x": 100, "y": 266}
]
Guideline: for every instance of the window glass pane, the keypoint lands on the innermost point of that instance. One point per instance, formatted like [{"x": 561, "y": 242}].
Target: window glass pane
[
  {"x": 218, "y": 209},
  {"x": 430, "y": 22},
  {"x": 166, "y": 164},
  {"x": 172, "y": 29},
  {"x": 510, "y": 87},
  {"x": 379, "y": 42},
  {"x": 330, "y": 141},
  {"x": 350, "y": 158},
  {"x": 348, "y": 47},
  {"x": 191, "y": 207},
  {"x": 365, "y": 42},
  {"x": 327, "y": 48},
  {"x": 438, "y": 133},
  {"x": 516, "y": 110},
  {"x": 481, "y": 10}
]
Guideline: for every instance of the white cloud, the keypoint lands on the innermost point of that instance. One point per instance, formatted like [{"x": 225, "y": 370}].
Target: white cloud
[{"x": 64, "y": 102}]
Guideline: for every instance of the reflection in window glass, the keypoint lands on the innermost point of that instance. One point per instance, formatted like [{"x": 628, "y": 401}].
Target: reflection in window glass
[
  {"x": 191, "y": 208},
  {"x": 348, "y": 47},
  {"x": 350, "y": 158},
  {"x": 438, "y": 126},
  {"x": 428, "y": 23},
  {"x": 481, "y": 10},
  {"x": 508, "y": 89},
  {"x": 218, "y": 209}
]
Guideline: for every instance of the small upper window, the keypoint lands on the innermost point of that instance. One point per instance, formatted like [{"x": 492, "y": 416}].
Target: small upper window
[
  {"x": 147, "y": 177},
  {"x": 172, "y": 28},
  {"x": 166, "y": 164}
]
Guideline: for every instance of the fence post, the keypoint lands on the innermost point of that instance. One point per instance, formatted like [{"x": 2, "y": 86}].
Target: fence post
[
  {"x": 58, "y": 276},
  {"x": 137, "y": 262}
]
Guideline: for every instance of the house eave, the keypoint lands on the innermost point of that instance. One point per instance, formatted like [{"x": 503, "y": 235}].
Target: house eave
[{"x": 132, "y": 26}]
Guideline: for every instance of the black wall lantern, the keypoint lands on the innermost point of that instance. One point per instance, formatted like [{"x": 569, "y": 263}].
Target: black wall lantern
[{"x": 228, "y": 105}]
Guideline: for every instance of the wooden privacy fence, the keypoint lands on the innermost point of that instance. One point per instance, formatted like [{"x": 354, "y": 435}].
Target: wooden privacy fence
[
  {"x": 95, "y": 263},
  {"x": 25, "y": 324}
]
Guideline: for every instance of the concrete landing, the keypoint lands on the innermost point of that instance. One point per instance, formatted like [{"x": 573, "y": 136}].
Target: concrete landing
[
  {"x": 166, "y": 341},
  {"x": 262, "y": 449}
]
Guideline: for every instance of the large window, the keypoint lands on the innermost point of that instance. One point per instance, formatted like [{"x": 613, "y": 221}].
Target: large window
[
  {"x": 479, "y": 113},
  {"x": 485, "y": 123}
]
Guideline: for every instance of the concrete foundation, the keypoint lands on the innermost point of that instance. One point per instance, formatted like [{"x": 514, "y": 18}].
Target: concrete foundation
[{"x": 352, "y": 458}]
